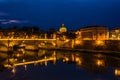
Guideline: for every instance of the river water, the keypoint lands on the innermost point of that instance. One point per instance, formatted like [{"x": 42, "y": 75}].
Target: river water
[{"x": 58, "y": 65}]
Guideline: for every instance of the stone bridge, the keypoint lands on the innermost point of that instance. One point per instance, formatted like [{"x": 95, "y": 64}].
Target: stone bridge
[{"x": 28, "y": 43}]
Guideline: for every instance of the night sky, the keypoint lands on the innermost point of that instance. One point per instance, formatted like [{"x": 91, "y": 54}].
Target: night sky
[{"x": 52, "y": 13}]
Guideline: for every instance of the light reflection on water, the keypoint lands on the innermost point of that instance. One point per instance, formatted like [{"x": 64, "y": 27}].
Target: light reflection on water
[{"x": 57, "y": 65}]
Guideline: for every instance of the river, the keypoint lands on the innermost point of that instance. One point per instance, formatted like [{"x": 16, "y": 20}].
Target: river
[{"x": 58, "y": 65}]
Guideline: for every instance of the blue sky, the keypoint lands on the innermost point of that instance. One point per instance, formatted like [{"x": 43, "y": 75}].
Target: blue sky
[{"x": 52, "y": 13}]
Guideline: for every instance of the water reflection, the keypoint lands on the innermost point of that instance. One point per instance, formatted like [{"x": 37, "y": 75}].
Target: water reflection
[{"x": 93, "y": 63}]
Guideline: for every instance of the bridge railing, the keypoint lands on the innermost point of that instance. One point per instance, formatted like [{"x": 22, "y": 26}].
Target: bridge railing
[{"x": 30, "y": 39}]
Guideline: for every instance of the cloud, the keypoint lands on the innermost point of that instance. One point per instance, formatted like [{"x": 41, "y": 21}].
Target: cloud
[
  {"x": 12, "y": 21},
  {"x": 9, "y": 21}
]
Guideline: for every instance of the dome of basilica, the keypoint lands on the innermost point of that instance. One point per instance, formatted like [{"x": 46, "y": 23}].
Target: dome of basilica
[{"x": 63, "y": 29}]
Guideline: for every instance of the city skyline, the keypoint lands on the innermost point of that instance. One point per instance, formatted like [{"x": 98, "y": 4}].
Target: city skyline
[
  {"x": 47, "y": 14},
  {"x": 59, "y": 39}
]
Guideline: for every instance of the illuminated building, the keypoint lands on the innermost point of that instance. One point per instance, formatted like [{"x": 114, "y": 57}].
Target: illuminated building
[
  {"x": 63, "y": 29},
  {"x": 78, "y": 34},
  {"x": 115, "y": 34},
  {"x": 61, "y": 34},
  {"x": 1, "y": 35},
  {"x": 94, "y": 33}
]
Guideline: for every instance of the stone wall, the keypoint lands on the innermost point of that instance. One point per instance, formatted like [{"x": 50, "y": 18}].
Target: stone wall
[{"x": 111, "y": 45}]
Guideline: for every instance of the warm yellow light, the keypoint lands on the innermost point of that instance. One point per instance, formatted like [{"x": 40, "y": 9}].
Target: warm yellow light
[
  {"x": 23, "y": 52},
  {"x": 100, "y": 62},
  {"x": 113, "y": 35},
  {"x": 78, "y": 60},
  {"x": 11, "y": 44},
  {"x": 23, "y": 60},
  {"x": 54, "y": 44},
  {"x": 100, "y": 42},
  {"x": 77, "y": 42},
  {"x": 117, "y": 72},
  {"x": 117, "y": 31},
  {"x": 12, "y": 60},
  {"x": 67, "y": 40},
  {"x": 65, "y": 59},
  {"x": 73, "y": 57},
  {"x": 18, "y": 55},
  {"x": 54, "y": 60}
]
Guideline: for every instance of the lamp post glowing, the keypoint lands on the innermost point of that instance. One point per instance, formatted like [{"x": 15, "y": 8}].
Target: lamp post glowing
[
  {"x": 100, "y": 43},
  {"x": 100, "y": 62},
  {"x": 78, "y": 42},
  {"x": 117, "y": 72}
]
